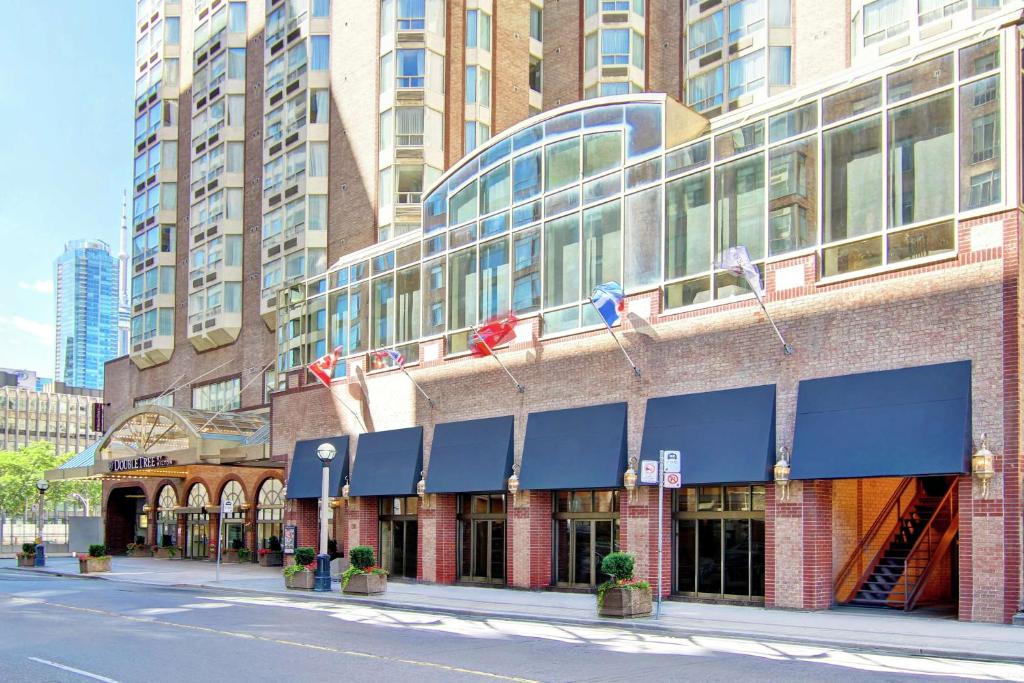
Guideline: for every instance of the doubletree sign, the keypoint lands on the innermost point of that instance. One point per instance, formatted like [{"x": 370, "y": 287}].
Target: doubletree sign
[{"x": 139, "y": 463}]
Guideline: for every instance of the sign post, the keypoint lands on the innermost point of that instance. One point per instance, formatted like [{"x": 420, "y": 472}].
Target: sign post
[
  {"x": 669, "y": 477},
  {"x": 226, "y": 508}
]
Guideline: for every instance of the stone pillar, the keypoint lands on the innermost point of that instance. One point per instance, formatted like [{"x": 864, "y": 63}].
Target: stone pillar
[
  {"x": 798, "y": 536},
  {"x": 529, "y": 545}
]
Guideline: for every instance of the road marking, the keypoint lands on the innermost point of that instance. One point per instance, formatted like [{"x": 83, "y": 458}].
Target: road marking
[
  {"x": 291, "y": 643},
  {"x": 95, "y": 677}
]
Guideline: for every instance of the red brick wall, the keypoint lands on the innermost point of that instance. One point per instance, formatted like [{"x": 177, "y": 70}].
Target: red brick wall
[
  {"x": 529, "y": 544},
  {"x": 638, "y": 525}
]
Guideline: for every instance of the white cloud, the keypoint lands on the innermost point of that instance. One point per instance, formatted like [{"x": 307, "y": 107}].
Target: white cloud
[
  {"x": 41, "y": 286},
  {"x": 42, "y": 333}
]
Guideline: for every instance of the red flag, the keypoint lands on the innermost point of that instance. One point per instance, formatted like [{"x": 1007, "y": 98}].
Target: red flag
[
  {"x": 492, "y": 334},
  {"x": 323, "y": 367}
]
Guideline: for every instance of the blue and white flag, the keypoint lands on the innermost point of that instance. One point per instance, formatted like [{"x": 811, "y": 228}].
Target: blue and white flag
[
  {"x": 607, "y": 299},
  {"x": 737, "y": 261}
]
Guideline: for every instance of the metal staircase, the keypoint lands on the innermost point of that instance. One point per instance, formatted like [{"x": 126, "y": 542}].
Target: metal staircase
[{"x": 921, "y": 529}]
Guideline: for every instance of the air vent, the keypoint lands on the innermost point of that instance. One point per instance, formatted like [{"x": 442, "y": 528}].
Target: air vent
[
  {"x": 710, "y": 57},
  {"x": 138, "y": 268},
  {"x": 137, "y": 308},
  {"x": 615, "y": 17},
  {"x": 291, "y": 244},
  {"x": 270, "y": 303},
  {"x": 275, "y": 98},
  {"x": 200, "y": 59},
  {"x": 275, "y": 148},
  {"x": 210, "y": 277},
  {"x": 149, "y": 262},
  {"x": 200, "y": 147},
  {"x": 147, "y": 345},
  {"x": 274, "y": 251},
  {"x": 140, "y": 187},
  {"x": 294, "y": 34},
  {"x": 212, "y": 231},
  {"x": 275, "y": 200},
  {"x": 216, "y": 48},
  {"x": 214, "y": 92},
  {"x": 291, "y": 191},
  {"x": 213, "y": 185},
  {"x": 276, "y": 47},
  {"x": 136, "y": 348},
  {"x": 198, "y": 327},
  {"x": 409, "y": 96},
  {"x": 212, "y": 322},
  {"x": 409, "y": 153},
  {"x": 614, "y": 71},
  {"x": 151, "y": 220},
  {"x": 291, "y": 87},
  {"x": 198, "y": 282},
  {"x": 198, "y": 238},
  {"x": 405, "y": 37},
  {"x": 200, "y": 103},
  {"x": 213, "y": 139},
  {"x": 151, "y": 139},
  {"x": 200, "y": 192},
  {"x": 291, "y": 138},
  {"x": 705, "y": 6}
]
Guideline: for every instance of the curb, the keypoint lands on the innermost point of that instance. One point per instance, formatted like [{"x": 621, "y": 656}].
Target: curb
[{"x": 635, "y": 625}]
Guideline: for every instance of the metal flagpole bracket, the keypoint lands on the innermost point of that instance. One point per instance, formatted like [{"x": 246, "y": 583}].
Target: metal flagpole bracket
[
  {"x": 636, "y": 370},
  {"x": 416, "y": 384},
  {"x": 786, "y": 348},
  {"x": 480, "y": 340}
]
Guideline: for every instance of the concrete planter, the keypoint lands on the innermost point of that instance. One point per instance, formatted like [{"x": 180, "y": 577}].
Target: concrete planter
[
  {"x": 26, "y": 560},
  {"x": 366, "y": 584},
  {"x": 141, "y": 551},
  {"x": 626, "y": 602},
  {"x": 229, "y": 557},
  {"x": 271, "y": 559},
  {"x": 93, "y": 565},
  {"x": 300, "y": 580},
  {"x": 166, "y": 553}
]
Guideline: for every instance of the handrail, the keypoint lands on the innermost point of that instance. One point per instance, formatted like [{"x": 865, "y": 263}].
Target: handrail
[
  {"x": 912, "y": 593},
  {"x": 893, "y": 502}
]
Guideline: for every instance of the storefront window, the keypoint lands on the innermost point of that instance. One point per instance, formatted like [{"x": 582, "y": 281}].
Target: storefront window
[
  {"x": 482, "y": 538},
  {"x": 720, "y": 542},
  {"x": 586, "y": 529}
]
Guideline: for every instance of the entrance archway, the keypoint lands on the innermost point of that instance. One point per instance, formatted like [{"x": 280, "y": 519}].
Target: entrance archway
[{"x": 125, "y": 521}]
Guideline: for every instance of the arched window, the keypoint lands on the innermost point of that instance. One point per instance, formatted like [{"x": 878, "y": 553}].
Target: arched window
[
  {"x": 198, "y": 522},
  {"x": 233, "y": 492},
  {"x": 198, "y": 497},
  {"x": 269, "y": 514},
  {"x": 167, "y": 517}
]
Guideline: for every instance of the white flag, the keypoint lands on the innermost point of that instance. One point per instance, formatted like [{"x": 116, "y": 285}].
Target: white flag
[{"x": 737, "y": 261}]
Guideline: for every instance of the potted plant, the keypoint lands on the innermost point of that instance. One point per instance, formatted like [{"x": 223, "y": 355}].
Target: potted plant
[
  {"x": 300, "y": 574},
  {"x": 244, "y": 555},
  {"x": 363, "y": 577},
  {"x": 139, "y": 550},
  {"x": 622, "y": 595},
  {"x": 270, "y": 555},
  {"x": 96, "y": 561},
  {"x": 27, "y": 556},
  {"x": 231, "y": 554}
]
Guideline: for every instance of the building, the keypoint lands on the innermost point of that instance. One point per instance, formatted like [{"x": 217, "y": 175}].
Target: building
[
  {"x": 85, "y": 282},
  {"x": 516, "y": 155},
  {"x": 124, "y": 310},
  {"x": 59, "y": 414}
]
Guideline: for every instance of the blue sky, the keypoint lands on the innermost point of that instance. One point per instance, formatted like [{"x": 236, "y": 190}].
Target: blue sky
[{"x": 65, "y": 156}]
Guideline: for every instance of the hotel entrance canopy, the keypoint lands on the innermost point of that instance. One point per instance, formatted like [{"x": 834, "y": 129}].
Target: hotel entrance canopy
[{"x": 153, "y": 440}]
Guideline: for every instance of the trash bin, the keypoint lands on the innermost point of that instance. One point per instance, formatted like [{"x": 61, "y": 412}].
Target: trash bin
[{"x": 40, "y": 555}]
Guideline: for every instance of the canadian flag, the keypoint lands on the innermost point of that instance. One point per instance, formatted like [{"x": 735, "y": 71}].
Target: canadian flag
[
  {"x": 492, "y": 334},
  {"x": 323, "y": 367}
]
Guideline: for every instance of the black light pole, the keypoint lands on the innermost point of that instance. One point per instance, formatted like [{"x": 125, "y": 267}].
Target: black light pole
[
  {"x": 322, "y": 578},
  {"x": 41, "y": 486}
]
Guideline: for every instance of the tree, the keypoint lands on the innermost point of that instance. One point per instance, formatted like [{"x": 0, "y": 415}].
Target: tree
[{"x": 20, "y": 470}]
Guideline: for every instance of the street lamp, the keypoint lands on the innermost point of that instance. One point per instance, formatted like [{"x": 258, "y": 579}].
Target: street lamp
[
  {"x": 41, "y": 486},
  {"x": 322, "y": 578}
]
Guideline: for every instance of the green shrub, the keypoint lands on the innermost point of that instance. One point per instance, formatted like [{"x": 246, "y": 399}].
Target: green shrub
[
  {"x": 97, "y": 550},
  {"x": 237, "y": 544},
  {"x": 304, "y": 555},
  {"x": 28, "y": 548},
  {"x": 165, "y": 541},
  {"x": 274, "y": 544},
  {"x": 361, "y": 557},
  {"x": 619, "y": 566},
  {"x": 292, "y": 569}
]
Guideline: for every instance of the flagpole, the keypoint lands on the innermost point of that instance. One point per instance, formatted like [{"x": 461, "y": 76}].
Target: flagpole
[
  {"x": 418, "y": 387},
  {"x": 786, "y": 348},
  {"x": 476, "y": 335},
  {"x": 608, "y": 327}
]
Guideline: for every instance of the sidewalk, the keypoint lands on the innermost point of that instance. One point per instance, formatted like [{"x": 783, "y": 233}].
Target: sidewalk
[{"x": 887, "y": 631}]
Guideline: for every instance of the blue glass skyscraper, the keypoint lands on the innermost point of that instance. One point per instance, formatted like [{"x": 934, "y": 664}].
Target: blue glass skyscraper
[{"x": 86, "y": 282}]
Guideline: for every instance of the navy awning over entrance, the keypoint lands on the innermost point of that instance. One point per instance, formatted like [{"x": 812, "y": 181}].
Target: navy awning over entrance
[
  {"x": 724, "y": 436},
  {"x": 304, "y": 477},
  {"x": 895, "y": 423},
  {"x": 577, "y": 448},
  {"x": 388, "y": 463},
  {"x": 471, "y": 456}
]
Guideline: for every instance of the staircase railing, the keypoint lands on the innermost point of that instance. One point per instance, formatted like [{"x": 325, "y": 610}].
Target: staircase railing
[
  {"x": 875, "y": 541},
  {"x": 931, "y": 544}
]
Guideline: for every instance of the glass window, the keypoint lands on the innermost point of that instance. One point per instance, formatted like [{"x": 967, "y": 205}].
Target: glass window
[
  {"x": 590, "y": 51},
  {"x": 409, "y": 126},
  {"x": 853, "y": 179},
  {"x": 792, "y": 200},
  {"x": 494, "y": 278},
  {"x": 536, "y": 72},
  {"x": 602, "y": 245},
  {"x": 411, "y": 15},
  {"x": 319, "y": 52},
  {"x": 173, "y": 30},
  {"x": 706, "y": 35},
  {"x": 526, "y": 271},
  {"x": 462, "y": 289},
  {"x": 382, "y": 315},
  {"x": 536, "y": 23},
  {"x": 617, "y": 88},
  {"x": 407, "y": 322},
  {"x": 562, "y": 163},
  {"x": 884, "y": 19},
  {"x": 920, "y": 78},
  {"x": 615, "y": 46},
  {"x": 746, "y": 74},
  {"x": 780, "y": 65},
  {"x": 411, "y": 68},
  {"x": 856, "y": 100},
  {"x": 433, "y": 287},
  {"x": 526, "y": 176},
  {"x": 980, "y": 137},
  {"x": 387, "y": 65},
  {"x": 687, "y": 249},
  {"x": 921, "y": 167},
  {"x": 562, "y": 261},
  {"x": 705, "y": 91},
  {"x": 463, "y": 205},
  {"x": 471, "y": 81},
  {"x": 494, "y": 190},
  {"x": 643, "y": 232},
  {"x": 979, "y": 58},
  {"x": 745, "y": 18},
  {"x": 739, "y": 205},
  {"x": 236, "y": 17},
  {"x": 318, "y": 106},
  {"x": 793, "y": 122},
  {"x": 601, "y": 152},
  {"x": 779, "y": 13},
  {"x": 358, "y": 317},
  {"x": 321, "y": 8}
]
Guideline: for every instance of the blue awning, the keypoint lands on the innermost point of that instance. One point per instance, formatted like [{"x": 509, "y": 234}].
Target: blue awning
[
  {"x": 577, "y": 448},
  {"x": 388, "y": 463},
  {"x": 724, "y": 436},
  {"x": 895, "y": 423},
  {"x": 471, "y": 456},
  {"x": 305, "y": 475}
]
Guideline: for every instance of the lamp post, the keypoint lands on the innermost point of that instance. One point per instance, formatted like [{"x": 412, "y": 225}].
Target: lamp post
[
  {"x": 41, "y": 486},
  {"x": 322, "y": 578}
]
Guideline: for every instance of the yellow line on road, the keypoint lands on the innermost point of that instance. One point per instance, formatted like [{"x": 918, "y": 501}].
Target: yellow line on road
[{"x": 292, "y": 643}]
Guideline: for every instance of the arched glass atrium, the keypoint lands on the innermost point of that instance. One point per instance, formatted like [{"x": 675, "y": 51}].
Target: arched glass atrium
[{"x": 868, "y": 174}]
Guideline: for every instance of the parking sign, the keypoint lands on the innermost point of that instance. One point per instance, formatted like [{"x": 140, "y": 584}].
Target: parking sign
[
  {"x": 649, "y": 472},
  {"x": 673, "y": 480}
]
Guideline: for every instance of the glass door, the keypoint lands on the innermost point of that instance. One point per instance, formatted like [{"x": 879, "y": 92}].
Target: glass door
[
  {"x": 481, "y": 540},
  {"x": 198, "y": 539},
  {"x": 586, "y": 530},
  {"x": 398, "y": 536}
]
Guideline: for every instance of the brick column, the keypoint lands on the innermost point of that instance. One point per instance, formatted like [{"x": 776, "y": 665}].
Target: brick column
[
  {"x": 151, "y": 538},
  {"x": 638, "y": 535},
  {"x": 529, "y": 542},
  {"x": 798, "y": 536},
  {"x": 437, "y": 529},
  {"x": 305, "y": 515},
  {"x": 363, "y": 524},
  {"x": 249, "y": 531},
  {"x": 213, "y": 527}
]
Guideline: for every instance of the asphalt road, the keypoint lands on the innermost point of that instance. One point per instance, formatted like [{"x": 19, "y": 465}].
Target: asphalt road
[{"x": 67, "y": 629}]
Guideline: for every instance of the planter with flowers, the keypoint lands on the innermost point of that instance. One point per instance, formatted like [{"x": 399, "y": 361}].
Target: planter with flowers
[
  {"x": 271, "y": 555},
  {"x": 363, "y": 577},
  {"x": 96, "y": 561},
  {"x": 139, "y": 550},
  {"x": 622, "y": 595},
  {"x": 233, "y": 554},
  {"x": 300, "y": 574},
  {"x": 27, "y": 556},
  {"x": 166, "y": 552}
]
